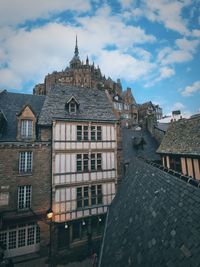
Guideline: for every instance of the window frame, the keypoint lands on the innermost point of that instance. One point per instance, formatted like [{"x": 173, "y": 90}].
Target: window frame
[
  {"x": 26, "y": 129},
  {"x": 25, "y": 162},
  {"x": 24, "y": 197}
]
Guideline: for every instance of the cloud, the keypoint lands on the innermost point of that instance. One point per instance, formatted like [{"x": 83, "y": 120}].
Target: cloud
[
  {"x": 191, "y": 89},
  {"x": 177, "y": 106},
  {"x": 184, "y": 51},
  {"x": 119, "y": 65},
  {"x": 15, "y": 12},
  {"x": 29, "y": 54},
  {"x": 167, "y": 12}
]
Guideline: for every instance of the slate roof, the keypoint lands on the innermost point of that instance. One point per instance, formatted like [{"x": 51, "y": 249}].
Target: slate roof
[
  {"x": 153, "y": 221},
  {"x": 11, "y": 104},
  {"x": 93, "y": 105},
  {"x": 131, "y": 136},
  {"x": 182, "y": 137}
]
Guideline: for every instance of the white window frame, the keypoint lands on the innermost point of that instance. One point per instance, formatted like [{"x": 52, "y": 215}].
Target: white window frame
[
  {"x": 25, "y": 162},
  {"x": 26, "y": 128},
  {"x": 24, "y": 197}
]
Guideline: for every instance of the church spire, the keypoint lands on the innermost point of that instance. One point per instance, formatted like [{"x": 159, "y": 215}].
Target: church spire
[{"x": 76, "y": 48}]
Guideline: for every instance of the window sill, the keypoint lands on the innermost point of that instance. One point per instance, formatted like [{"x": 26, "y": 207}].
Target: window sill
[{"x": 24, "y": 174}]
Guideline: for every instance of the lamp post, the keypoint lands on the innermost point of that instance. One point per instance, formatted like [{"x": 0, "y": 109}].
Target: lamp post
[{"x": 50, "y": 217}]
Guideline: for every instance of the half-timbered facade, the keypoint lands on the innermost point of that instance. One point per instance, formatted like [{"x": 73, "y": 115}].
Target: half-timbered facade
[
  {"x": 180, "y": 148},
  {"x": 84, "y": 160}
]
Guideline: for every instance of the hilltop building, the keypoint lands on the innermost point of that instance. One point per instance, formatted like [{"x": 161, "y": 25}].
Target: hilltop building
[{"x": 86, "y": 75}]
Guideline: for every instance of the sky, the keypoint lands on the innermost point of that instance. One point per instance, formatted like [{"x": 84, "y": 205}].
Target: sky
[{"x": 153, "y": 46}]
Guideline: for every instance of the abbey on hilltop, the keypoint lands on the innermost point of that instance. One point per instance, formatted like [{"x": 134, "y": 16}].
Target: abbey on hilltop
[{"x": 86, "y": 75}]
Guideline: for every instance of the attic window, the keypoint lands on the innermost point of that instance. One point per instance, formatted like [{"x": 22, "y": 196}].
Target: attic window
[{"x": 72, "y": 106}]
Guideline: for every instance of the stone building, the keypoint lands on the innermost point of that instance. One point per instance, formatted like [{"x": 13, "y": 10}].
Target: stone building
[
  {"x": 84, "y": 74},
  {"x": 25, "y": 175},
  {"x": 180, "y": 147},
  {"x": 85, "y": 161}
]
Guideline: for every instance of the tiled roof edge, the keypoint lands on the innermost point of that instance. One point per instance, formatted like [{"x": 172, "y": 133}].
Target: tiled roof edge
[{"x": 187, "y": 179}]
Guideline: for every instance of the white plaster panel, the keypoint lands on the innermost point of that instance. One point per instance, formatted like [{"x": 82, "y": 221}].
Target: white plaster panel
[
  {"x": 93, "y": 176},
  {"x": 94, "y": 211},
  {"x": 68, "y": 206},
  {"x": 73, "y": 132},
  {"x": 73, "y": 192},
  {"x": 57, "y": 196},
  {"x": 62, "y": 194},
  {"x": 62, "y": 129},
  {"x": 73, "y": 205},
  {"x": 108, "y": 160},
  {"x": 62, "y": 165},
  {"x": 79, "y": 214},
  {"x": 57, "y": 131},
  {"x": 108, "y": 132},
  {"x": 73, "y": 178},
  {"x": 104, "y": 166},
  {"x": 79, "y": 177},
  {"x": 57, "y": 163},
  {"x": 113, "y": 135},
  {"x": 73, "y": 215},
  {"x": 73, "y": 163},
  {"x": 104, "y": 133},
  {"x": 67, "y": 132},
  {"x": 86, "y": 213},
  {"x": 68, "y": 194}
]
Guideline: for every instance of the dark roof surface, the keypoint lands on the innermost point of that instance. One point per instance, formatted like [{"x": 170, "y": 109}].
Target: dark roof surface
[
  {"x": 11, "y": 104},
  {"x": 130, "y": 139},
  {"x": 93, "y": 105},
  {"x": 182, "y": 137},
  {"x": 153, "y": 221}
]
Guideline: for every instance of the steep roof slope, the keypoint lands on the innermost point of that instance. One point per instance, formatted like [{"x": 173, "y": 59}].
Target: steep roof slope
[
  {"x": 153, "y": 221},
  {"x": 93, "y": 105},
  {"x": 182, "y": 137},
  {"x": 131, "y": 137},
  {"x": 11, "y": 104}
]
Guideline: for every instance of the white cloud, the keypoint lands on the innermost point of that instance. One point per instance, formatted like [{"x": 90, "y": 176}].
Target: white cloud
[
  {"x": 167, "y": 12},
  {"x": 191, "y": 89},
  {"x": 183, "y": 52},
  {"x": 126, "y": 3},
  {"x": 177, "y": 106},
  {"x": 14, "y": 12},
  {"x": 118, "y": 65}
]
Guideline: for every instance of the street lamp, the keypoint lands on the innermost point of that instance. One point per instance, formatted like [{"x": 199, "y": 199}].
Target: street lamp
[{"x": 50, "y": 217}]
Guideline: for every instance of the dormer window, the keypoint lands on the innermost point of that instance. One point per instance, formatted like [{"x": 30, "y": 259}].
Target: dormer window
[
  {"x": 72, "y": 105},
  {"x": 26, "y": 128}
]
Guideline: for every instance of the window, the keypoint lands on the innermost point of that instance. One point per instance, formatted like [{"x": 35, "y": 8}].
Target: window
[
  {"x": 20, "y": 236},
  {"x": 82, "y": 133},
  {"x": 89, "y": 196},
  {"x": 96, "y": 133},
  {"x": 79, "y": 132},
  {"x": 4, "y": 198},
  {"x": 93, "y": 133},
  {"x": 99, "y": 161},
  {"x": 26, "y": 128},
  {"x": 25, "y": 162},
  {"x": 82, "y": 197},
  {"x": 96, "y": 194},
  {"x": 72, "y": 106},
  {"x": 79, "y": 162},
  {"x": 85, "y": 162},
  {"x": 175, "y": 163},
  {"x": 82, "y": 162},
  {"x": 24, "y": 196},
  {"x": 85, "y": 133}
]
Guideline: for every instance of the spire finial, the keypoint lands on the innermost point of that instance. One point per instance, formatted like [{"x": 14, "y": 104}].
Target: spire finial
[{"x": 76, "y": 48}]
